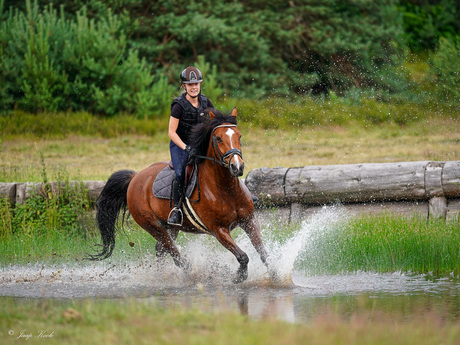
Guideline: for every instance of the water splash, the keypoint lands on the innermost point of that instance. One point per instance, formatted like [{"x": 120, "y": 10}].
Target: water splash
[
  {"x": 211, "y": 266},
  {"x": 211, "y": 263},
  {"x": 312, "y": 230}
]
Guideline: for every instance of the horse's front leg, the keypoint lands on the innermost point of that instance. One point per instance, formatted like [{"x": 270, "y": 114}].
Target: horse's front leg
[
  {"x": 223, "y": 236},
  {"x": 252, "y": 229}
]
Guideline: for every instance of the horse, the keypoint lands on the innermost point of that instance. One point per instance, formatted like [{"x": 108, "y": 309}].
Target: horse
[{"x": 221, "y": 201}]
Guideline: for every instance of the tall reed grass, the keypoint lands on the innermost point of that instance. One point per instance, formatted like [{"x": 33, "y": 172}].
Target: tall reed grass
[
  {"x": 48, "y": 221},
  {"x": 63, "y": 124},
  {"x": 305, "y": 111},
  {"x": 386, "y": 243}
]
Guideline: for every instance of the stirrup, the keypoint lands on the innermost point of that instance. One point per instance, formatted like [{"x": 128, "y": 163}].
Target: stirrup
[{"x": 181, "y": 217}]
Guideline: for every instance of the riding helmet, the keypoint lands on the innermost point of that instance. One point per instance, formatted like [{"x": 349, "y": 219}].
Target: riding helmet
[{"x": 191, "y": 75}]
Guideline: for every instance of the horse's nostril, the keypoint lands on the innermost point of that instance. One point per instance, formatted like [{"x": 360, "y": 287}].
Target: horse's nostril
[
  {"x": 235, "y": 169},
  {"x": 240, "y": 170}
]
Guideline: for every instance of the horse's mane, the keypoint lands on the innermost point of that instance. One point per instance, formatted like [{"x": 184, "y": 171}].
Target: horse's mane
[{"x": 201, "y": 133}]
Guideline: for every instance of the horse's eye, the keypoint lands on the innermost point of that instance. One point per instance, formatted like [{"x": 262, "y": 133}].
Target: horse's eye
[{"x": 219, "y": 140}]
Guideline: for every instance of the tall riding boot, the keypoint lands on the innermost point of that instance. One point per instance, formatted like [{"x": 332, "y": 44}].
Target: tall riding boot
[{"x": 175, "y": 216}]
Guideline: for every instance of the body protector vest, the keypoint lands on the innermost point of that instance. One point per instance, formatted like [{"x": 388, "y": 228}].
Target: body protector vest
[{"x": 190, "y": 116}]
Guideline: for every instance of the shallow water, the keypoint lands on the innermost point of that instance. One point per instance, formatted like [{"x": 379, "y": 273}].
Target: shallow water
[
  {"x": 398, "y": 294},
  {"x": 295, "y": 297}
]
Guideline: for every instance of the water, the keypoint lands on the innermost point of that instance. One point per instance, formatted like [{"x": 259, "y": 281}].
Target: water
[{"x": 295, "y": 297}]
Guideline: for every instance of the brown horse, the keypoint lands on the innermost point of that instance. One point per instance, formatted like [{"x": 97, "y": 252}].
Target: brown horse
[{"x": 221, "y": 201}]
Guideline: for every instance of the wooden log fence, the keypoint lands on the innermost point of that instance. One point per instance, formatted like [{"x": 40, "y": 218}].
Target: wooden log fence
[
  {"x": 428, "y": 188},
  {"x": 18, "y": 193}
]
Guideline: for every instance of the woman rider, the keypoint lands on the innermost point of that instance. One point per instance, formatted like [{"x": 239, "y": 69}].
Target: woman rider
[{"x": 186, "y": 111}]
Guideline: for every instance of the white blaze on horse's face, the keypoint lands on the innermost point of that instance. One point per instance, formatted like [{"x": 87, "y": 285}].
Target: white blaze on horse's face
[
  {"x": 230, "y": 133},
  {"x": 227, "y": 138},
  {"x": 235, "y": 144}
]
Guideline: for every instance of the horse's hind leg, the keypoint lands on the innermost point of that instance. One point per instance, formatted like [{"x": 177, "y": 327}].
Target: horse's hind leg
[
  {"x": 223, "y": 236},
  {"x": 166, "y": 245},
  {"x": 160, "y": 249}
]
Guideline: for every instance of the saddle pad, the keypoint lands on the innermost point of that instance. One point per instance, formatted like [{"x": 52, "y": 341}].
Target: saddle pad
[{"x": 163, "y": 183}]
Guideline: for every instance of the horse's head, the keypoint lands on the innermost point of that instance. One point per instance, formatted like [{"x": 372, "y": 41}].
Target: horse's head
[{"x": 225, "y": 141}]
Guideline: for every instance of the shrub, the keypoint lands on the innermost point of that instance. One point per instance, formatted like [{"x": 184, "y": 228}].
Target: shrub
[
  {"x": 63, "y": 212},
  {"x": 446, "y": 69},
  {"x": 48, "y": 63}
]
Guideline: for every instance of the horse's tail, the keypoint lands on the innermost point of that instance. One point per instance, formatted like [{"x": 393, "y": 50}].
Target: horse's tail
[{"x": 110, "y": 202}]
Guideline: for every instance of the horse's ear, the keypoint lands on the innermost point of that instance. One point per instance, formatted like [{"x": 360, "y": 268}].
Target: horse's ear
[
  {"x": 234, "y": 112},
  {"x": 211, "y": 115}
]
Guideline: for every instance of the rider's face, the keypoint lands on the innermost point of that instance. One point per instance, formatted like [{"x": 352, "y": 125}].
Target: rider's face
[{"x": 193, "y": 89}]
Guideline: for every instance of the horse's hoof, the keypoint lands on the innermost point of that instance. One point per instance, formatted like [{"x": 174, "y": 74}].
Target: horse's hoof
[
  {"x": 182, "y": 263},
  {"x": 241, "y": 276},
  {"x": 185, "y": 264},
  {"x": 239, "y": 279},
  {"x": 274, "y": 276}
]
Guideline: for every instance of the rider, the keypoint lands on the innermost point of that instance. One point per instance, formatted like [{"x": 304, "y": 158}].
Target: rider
[{"x": 186, "y": 111}]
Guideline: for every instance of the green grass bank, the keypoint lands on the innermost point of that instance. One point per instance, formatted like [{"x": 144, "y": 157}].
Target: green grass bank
[{"x": 133, "y": 322}]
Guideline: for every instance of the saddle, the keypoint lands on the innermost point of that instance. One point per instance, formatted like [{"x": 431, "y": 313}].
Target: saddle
[
  {"x": 162, "y": 186},
  {"x": 162, "y": 189}
]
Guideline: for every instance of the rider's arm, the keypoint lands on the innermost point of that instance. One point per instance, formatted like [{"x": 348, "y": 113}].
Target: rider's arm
[
  {"x": 172, "y": 132},
  {"x": 176, "y": 113}
]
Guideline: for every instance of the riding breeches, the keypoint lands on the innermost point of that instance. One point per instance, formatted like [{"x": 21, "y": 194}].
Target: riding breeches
[{"x": 179, "y": 160}]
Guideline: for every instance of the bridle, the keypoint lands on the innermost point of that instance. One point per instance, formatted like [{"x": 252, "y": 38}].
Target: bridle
[{"x": 221, "y": 157}]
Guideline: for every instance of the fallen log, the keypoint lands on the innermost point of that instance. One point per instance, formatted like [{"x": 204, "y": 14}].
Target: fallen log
[
  {"x": 431, "y": 188},
  {"x": 18, "y": 193},
  {"x": 436, "y": 183}
]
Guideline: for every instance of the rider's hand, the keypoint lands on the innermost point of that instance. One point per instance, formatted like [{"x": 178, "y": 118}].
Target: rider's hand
[{"x": 191, "y": 151}]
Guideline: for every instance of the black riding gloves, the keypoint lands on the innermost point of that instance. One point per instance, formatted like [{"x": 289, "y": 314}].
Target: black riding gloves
[{"x": 191, "y": 151}]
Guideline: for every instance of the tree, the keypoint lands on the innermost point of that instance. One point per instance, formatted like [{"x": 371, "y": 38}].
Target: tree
[
  {"x": 344, "y": 44},
  {"x": 260, "y": 48},
  {"x": 427, "y": 21}
]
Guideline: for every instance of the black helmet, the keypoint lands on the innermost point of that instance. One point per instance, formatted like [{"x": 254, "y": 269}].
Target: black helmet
[{"x": 191, "y": 75}]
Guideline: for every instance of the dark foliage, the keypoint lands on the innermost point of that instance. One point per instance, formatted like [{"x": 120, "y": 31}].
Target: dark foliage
[{"x": 125, "y": 56}]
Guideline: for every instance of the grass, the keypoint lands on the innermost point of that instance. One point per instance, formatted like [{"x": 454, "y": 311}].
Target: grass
[
  {"x": 386, "y": 243},
  {"x": 96, "y": 158},
  {"x": 59, "y": 247},
  {"x": 134, "y": 322},
  {"x": 60, "y": 125}
]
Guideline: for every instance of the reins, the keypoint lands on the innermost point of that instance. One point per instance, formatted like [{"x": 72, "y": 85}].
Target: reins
[{"x": 222, "y": 157}]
